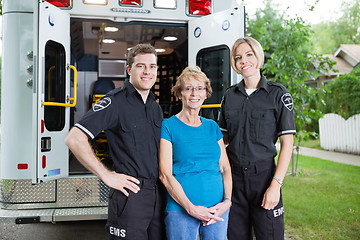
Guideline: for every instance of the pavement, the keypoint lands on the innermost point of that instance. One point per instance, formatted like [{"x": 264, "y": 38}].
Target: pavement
[{"x": 344, "y": 158}]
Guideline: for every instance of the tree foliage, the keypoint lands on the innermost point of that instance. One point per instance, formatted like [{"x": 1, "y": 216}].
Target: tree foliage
[
  {"x": 343, "y": 96},
  {"x": 286, "y": 43},
  {"x": 345, "y": 30}
]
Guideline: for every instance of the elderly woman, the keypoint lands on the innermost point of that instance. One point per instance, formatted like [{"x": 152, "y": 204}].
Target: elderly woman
[
  {"x": 254, "y": 114},
  {"x": 194, "y": 166}
]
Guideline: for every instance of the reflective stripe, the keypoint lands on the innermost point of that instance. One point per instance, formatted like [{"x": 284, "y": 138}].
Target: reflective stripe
[
  {"x": 223, "y": 129},
  {"x": 287, "y": 132},
  {"x": 85, "y": 130}
]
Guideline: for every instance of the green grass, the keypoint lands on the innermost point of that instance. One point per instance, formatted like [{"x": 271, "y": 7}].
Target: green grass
[
  {"x": 323, "y": 201},
  {"x": 312, "y": 143}
]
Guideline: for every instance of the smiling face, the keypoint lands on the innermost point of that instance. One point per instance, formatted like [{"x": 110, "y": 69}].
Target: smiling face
[
  {"x": 246, "y": 61},
  {"x": 143, "y": 72},
  {"x": 193, "y": 93}
]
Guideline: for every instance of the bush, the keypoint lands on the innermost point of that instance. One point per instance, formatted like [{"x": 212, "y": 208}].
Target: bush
[{"x": 343, "y": 95}]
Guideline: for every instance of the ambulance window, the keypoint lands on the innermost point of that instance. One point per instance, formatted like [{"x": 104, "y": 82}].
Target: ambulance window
[
  {"x": 54, "y": 74},
  {"x": 215, "y": 63}
]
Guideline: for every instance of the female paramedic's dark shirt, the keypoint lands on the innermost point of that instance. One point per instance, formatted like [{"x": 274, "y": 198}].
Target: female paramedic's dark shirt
[
  {"x": 132, "y": 129},
  {"x": 253, "y": 123}
]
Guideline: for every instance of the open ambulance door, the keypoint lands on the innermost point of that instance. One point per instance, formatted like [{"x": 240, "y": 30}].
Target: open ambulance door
[
  {"x": 51, "y": 92},
  {"x": 210, "y": 41}
]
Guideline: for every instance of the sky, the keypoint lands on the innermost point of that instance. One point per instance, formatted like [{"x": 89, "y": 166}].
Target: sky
[{"x": 325, "y": 10}]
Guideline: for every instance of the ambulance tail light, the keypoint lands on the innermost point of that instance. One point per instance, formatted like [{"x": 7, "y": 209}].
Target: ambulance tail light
[
  {"x": 60, "y": 3},
  {"x": 131, "y": 3},
  {"x": 199, "y": 7}
]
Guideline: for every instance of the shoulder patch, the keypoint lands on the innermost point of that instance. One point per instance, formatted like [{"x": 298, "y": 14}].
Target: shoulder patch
[
  {"x": 102, "y": 104},
  {"x": 287, "y": 101}
]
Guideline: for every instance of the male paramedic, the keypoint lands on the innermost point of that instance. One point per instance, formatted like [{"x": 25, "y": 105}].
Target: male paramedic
[{"x": 131, "y": 119}]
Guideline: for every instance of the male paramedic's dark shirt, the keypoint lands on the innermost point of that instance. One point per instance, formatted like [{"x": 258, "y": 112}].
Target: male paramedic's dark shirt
[
  {"x": 132, "y": 129},
  {"x": 253, "y": 123}
]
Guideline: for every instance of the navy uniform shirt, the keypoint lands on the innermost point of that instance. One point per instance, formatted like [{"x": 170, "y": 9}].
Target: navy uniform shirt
[
  {"x": 253, "y": 123},
  {"x": 132, "y": 129}
]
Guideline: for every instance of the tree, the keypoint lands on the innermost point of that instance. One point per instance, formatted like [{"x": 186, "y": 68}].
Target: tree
[
  {"x": 345, "y": 30},
  {"x": 343, "y": 96},
  {"x": 288, "y": 60}
]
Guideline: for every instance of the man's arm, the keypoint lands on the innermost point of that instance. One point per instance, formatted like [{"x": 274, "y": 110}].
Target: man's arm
[{"x": 78, "y": 143}]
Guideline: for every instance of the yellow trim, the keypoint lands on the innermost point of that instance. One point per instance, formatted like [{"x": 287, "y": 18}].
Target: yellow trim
[
  {"x": 211, "y": 106},
  {"x": 74, "y": 99}
]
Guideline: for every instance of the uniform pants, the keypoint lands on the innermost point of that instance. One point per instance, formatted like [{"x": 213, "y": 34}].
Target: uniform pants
[
  {"x": 138, "y": 216},
  {"x": 246, "y": 213}
]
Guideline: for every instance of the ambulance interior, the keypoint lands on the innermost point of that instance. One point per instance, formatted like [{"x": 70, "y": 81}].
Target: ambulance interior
[{"x": 99, "y": 51}]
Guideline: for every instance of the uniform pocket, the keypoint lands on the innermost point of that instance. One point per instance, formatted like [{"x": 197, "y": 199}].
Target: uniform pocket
[
  {"x": 117, "y": 205},
  {"x": 262, "y": 125},
  {"x": 233, "y": 121},
  {"x": 157, "y": 129}
]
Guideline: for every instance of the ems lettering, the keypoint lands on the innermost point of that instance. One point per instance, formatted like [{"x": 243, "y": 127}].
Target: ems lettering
[
  {"x": 118, "y": 232},
  {"x": 278, "y": 212}
]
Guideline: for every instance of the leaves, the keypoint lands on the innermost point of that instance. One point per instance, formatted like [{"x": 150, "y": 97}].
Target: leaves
[
  {"x": 345, "y": 30},
  {"x": 343, "y": 97}
]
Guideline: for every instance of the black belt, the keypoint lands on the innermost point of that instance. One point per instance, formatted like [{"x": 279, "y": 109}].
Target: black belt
[
  {"x": 148, "y": 183},
  {"x": 255, "y": 168}
]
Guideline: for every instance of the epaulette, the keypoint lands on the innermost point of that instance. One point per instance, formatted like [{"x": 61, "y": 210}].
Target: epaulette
[
  {"x": 277, "y": 85},
  {"x": 115, "y": 91},
  {"x": 230, "y": 87}
]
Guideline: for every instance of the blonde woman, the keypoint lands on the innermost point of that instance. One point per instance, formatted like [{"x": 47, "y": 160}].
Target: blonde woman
[{"x": 254, "y": 114}]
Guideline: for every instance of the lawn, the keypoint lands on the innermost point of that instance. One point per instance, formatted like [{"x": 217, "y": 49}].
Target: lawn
[
  {"x": 311, "y": 143},
  {"x": 322, "y": 201}
]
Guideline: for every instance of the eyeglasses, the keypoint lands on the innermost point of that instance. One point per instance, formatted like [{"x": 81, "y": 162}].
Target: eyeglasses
[{"x": 190, "y": 89}]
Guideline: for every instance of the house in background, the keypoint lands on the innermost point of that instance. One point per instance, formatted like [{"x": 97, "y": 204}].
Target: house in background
[{"x": 347, "y": 57}]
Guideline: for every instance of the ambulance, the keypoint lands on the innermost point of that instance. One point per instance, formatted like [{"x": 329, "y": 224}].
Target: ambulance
[{"x": 61, "y": 56}]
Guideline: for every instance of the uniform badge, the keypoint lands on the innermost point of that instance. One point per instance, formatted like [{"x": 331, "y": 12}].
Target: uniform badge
[
  {"x": 287, "y": 101},
  {"x": 102, "y": 104}
]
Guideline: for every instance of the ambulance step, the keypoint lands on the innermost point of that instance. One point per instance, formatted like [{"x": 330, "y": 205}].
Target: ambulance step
[
  {"x": 52, "y": 215},
  {"x": 22, "y": 216},
  {"x": 77, "y": 214}
]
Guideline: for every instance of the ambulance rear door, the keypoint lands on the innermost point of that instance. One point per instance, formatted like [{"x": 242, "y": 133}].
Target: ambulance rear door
[
  {"x": 210, "y": 41},
  {"x": 51, "y": 92}
]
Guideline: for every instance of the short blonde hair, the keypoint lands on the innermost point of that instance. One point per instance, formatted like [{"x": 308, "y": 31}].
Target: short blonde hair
[
  {"x": 255, "y": 46},
  {"x": 196, "y": 73}
]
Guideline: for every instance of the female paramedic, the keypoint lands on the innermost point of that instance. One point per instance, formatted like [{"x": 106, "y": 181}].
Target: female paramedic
[
  {"x": 194, "y": 166},
  {"x": 254, "y": 114}
]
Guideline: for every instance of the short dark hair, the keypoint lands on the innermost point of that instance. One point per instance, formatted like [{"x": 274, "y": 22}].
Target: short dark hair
[{"x": 141, "y": 48}]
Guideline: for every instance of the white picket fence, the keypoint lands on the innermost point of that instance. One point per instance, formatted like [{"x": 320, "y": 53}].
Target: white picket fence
[{"x": 338, "y": 134}]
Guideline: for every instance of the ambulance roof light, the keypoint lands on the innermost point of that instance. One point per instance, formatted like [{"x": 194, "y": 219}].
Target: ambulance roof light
[
  {"x": 170, "y": 38},
  {"x": 137, "y": 3},
  {"x": 60, "y": 3},
  {"x": 168, "y": 4},
  {"x": 96, "y": 2},
  {"x": 108, "y": 40},
  {"x": 199, "y": 7}
]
